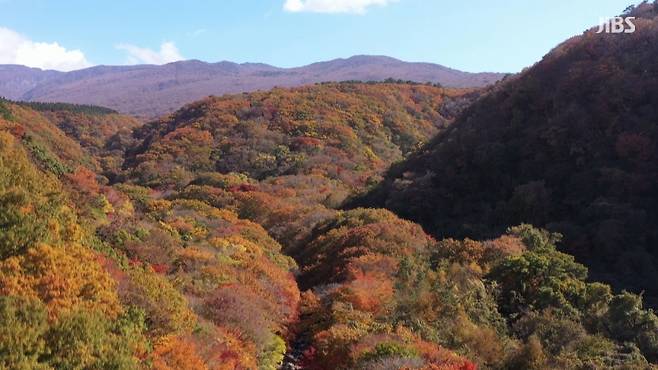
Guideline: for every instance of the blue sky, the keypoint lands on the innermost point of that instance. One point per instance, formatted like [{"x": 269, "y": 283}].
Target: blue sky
[{"x": 473, "y": 36}]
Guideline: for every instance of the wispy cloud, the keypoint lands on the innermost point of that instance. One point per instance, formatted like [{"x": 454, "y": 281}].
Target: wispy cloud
[
  {"x": 18, "y": 49},
  {"x": 168, "y": 53},
  {"x": 196, "y": 33},
  {"x": 333, "y": 6}
]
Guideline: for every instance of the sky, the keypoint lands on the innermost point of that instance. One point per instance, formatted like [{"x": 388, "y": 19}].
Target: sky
[{"x": 474, "y": 36}]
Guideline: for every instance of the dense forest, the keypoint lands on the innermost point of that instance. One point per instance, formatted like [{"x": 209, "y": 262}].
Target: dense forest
[
  {"x": 571, "y": 145},
  {"x": 217, "y": 237}
]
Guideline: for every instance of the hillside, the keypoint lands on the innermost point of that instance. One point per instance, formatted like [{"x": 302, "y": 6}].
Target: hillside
[
  {"x": 350, "y": 132},
  {"x": 367, "y": 266},
  {"x": 126, "y": 276},
  {"x": 571, "y": 145},
  {"x": 377, "y": 291},
  {"x": 150, "y": 91},
  {"x": 94, "y": 276},
  {"x": 216, "y": 244}
]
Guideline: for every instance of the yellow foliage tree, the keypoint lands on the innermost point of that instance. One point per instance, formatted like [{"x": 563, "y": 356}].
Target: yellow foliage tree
[
  {"x": 176, "y": 353},
  {"x": 63, "y": 278}
]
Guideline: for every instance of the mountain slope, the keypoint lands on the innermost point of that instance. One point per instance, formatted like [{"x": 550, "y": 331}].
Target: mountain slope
[
  {"x": 188, "y": 272},
  {"x": 379, "y": 291},
  {"x": 150, "y": 91},
  {"x": 93, "y": 276},
  {"x": 349, "y": 132},
  {"x": 571, "y": 144},
  {"x": 16, "y": 80},
  {"x": 325, "y": 141}
]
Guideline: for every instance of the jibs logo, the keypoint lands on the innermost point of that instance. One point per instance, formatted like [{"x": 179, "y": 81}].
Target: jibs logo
[{"x": 617, "y": 25}]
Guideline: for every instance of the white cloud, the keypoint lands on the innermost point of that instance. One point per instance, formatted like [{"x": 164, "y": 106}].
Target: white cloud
[
  {"x": 18, "y": 49},
  {"x": 168, "y": 53},
  {"x": 333, "y": 6}
]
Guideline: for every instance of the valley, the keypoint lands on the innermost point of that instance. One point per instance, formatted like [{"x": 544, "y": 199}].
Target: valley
[{"x": 461, "y": 222}]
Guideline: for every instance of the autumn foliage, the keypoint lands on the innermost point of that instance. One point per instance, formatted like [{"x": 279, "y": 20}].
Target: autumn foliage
[{"x": 216, "y": 238}]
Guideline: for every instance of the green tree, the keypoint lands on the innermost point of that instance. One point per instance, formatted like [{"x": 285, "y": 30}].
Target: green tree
[
  {"x": 541, "y": 277},
  {"x": 24, "y": 323},
  {"x": 88, "y": 340},
  {"x": 627, "y": 321}
]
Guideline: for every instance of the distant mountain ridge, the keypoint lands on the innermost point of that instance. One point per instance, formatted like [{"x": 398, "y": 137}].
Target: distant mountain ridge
[{"x": 150, "y": 90}]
